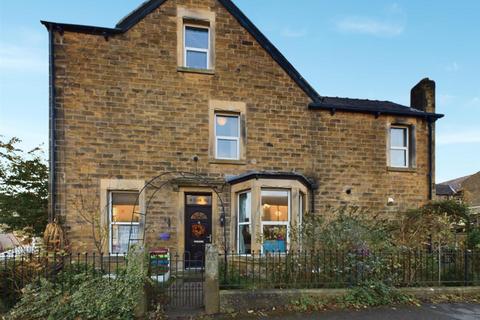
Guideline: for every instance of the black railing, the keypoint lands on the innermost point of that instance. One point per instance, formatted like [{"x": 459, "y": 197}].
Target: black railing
[
  {"x": 343, "y": 269},
  {"x": 18, "y": 270}
]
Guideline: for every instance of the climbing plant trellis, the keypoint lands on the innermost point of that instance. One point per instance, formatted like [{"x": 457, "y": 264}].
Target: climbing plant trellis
[{"x": 162, "y": 181}]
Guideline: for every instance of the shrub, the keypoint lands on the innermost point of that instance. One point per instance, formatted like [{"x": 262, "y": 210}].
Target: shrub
[
  {"x": 374, "y": 293},
  {"x": 86, "y": 295}
]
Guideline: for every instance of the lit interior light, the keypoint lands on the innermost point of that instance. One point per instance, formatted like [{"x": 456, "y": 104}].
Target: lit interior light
[
  {"x": 221, "y": 121},
  {"x": 201, "y": 200}
]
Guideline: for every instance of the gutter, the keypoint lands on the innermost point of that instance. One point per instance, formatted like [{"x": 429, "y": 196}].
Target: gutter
[
  {"x": 52, "y": 119},
  {"x": 371, "y": 110}
]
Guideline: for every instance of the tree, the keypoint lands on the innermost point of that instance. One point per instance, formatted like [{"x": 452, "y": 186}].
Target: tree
[{"x": 23, "y": 188}]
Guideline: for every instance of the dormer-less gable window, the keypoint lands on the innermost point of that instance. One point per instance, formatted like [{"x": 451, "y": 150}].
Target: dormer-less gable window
[
  {"x": 196, "y": 46},
  {"x": 399, "y": 147}
]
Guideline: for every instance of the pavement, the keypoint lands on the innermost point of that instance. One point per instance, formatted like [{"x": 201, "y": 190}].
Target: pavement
[{"x": 443, "y": 311}]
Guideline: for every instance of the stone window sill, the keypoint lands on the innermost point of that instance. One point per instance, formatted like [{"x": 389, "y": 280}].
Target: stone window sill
[
  {"x": 193, "y": 70},
  {"x": 395, "y": 169},
  {"x": 234, "y": 162}
]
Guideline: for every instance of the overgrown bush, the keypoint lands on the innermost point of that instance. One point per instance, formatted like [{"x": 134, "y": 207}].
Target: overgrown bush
[
  {"x": 85, "y": 295},
  {"x": 374, "y": 293}
]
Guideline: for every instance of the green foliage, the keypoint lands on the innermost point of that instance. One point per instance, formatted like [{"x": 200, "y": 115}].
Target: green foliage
[
  {"x": 474, "y": 238},
  {"x": 23, "y": 188},
  {"x": 374, "y": 293},
  {"x": 84, "y": 295}
]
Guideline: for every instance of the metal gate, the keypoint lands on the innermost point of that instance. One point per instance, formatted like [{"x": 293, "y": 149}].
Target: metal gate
[{"x": 178, "y": 286}]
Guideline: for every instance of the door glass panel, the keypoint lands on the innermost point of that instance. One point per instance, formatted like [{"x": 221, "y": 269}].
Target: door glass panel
[
  {"x": 199, "y": 216},
  {"x": 199, "y": 200}
]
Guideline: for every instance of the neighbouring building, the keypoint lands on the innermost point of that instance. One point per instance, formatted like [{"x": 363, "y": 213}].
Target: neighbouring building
[
  {"x": 465, "y": 189},
  {"x": 191, "y": 92}
]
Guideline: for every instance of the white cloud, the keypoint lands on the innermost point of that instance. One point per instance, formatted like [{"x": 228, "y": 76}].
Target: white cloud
[
  {"x": 293, "y": 33},
  {"x": 474, "y": 102},
  {"x": 453, "y": 67},
  {"x": 22, "y": 58},
  {"x": 370, "y": 26},
  {"x": 391, "y": 24},
  {"x": 462, "y": 136}
]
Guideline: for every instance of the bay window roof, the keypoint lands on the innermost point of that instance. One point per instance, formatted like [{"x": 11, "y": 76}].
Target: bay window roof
[{"x": 306, "y": 181}]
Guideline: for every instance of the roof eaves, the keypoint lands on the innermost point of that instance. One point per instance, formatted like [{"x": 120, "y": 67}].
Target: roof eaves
[
  {"x": 80, "y": 28},
  {"x": 374, "y": 110}
]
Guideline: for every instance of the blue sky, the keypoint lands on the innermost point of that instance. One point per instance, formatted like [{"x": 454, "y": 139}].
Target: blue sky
[{"x": 343, "y": 48}]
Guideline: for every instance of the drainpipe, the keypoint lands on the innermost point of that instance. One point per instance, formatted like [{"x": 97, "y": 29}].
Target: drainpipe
[
  {"x": 430, "y": 158},
  {"x": 52, "y": 117}
]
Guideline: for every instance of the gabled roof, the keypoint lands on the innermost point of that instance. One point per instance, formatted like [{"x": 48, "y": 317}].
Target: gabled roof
[
  {"x": 455, "y": 185},
  {"x": 369, "y": 106},
  {"x": 148, "y": 6}
]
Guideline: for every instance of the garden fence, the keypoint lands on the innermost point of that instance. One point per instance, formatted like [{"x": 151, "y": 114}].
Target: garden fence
[{"x": 343, "y": 269}]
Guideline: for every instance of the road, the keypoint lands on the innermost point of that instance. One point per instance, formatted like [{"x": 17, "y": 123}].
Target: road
[{"x": 455, "y": 311}]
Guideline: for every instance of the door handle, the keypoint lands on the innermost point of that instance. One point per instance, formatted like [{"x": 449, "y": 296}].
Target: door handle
[{"x": 209, "y": 238}]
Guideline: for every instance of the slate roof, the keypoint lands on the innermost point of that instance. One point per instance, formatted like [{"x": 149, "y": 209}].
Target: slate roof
[
  {"x": 444, "y": 190},
  {"x": 455, "y": 185},
  {"x": 369, "y": 106}
]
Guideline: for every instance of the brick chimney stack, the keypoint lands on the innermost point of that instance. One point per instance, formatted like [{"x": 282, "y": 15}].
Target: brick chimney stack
[{"x": 422, "y": 96}]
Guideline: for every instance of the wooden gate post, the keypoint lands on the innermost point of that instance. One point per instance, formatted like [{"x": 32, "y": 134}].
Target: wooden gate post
[{"x": 211, "y": 290}]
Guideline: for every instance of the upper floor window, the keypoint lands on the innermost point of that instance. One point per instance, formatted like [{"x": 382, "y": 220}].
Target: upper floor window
[
  {"x": 196, "y": 47},
  {"x": 399, "y": 147},
  {"x": 227, "y": 136}
]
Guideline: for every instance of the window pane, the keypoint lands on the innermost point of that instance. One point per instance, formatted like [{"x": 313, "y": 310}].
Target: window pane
[
  {"x": 196, "y": 59},
  {"x": 244, "y": 207},
  {"x": 227, "y": 149},
  {"x": 227, "y": 126},
  {"x": 196, "y": 37},
  {"x": 199, "y": 200},
  {"x": 274, "y": 205},
  {"x": 398, "y": 137},
  {"x": 274, "y": 238},
  {"x": 398, "y": 158},
  {"x": 244, "y": 239},
  {"x": 120, "y": 236},
  {"x": 124, "y": 207}
]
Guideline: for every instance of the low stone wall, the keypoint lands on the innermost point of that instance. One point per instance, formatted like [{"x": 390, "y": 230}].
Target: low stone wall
[{"x": 241, "y": 300}]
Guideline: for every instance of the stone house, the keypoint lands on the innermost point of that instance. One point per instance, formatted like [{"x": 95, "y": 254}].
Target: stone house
[
  {"x": 191, "y": 92},
  {"x": 465, "y": 189}
]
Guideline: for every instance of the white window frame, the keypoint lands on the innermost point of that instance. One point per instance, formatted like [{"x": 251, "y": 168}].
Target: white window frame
[
  {"x": 111, "y": 223},
  {"x": 406, "y": 148},
  {"x": 186, "y": 49},
  {"x": 237, "y": 138},
  {"x": 277, "y": 223},
  {"x": 239, "y": 224}
]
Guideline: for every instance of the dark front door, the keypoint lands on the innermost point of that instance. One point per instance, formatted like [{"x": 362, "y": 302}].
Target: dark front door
[{"x": 198, "y": 227}]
